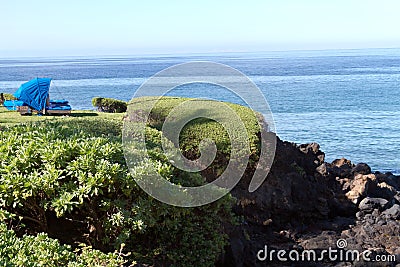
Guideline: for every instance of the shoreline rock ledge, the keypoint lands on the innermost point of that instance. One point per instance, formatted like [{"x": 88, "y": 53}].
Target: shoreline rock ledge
[{"x": 306, "y": 203}]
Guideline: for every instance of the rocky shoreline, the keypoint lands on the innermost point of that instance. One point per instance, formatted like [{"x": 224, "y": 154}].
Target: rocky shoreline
[{"x": 309, "y": 204}]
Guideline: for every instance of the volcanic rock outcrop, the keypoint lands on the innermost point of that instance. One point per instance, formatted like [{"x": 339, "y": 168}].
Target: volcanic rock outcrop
[{"x": 306, "y": 203}]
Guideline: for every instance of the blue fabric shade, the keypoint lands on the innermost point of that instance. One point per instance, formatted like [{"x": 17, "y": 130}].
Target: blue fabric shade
[
  {"x": 34, "y": 93},
  {"x": 13, "y": 104}
]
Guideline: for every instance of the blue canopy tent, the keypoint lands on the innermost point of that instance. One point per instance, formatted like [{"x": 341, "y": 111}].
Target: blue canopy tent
[{"x": 34, "y": 93}]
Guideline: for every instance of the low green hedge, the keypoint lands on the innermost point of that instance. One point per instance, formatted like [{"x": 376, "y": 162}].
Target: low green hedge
[
  {"x": 109, "y": 105},
  {"x": 202, "y": 128}
]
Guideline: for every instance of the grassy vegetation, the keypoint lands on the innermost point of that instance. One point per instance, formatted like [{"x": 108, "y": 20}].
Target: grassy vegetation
[
  {"x": 199, "y": 128},
  {"x": 10, "y": 118},
  {"x": 203, "y": 127}
]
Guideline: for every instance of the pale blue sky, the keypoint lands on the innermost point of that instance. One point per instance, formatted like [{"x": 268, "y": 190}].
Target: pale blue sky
[{"x": 77, "y": 27}]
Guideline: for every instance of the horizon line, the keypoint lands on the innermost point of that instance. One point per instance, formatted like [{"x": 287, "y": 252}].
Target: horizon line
[{"x": 181, "y": 54}]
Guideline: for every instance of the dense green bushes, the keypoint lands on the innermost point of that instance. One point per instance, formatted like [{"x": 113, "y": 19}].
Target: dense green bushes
[
  {"x": 109, "y": 105},
  {"x": 201, "y": 128},
  {"x": 40, "y": 250},
  {"x": 70, "y": 180}
]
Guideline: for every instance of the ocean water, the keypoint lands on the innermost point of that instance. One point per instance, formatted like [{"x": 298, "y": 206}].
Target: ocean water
[{"x": 348, "y": 101}]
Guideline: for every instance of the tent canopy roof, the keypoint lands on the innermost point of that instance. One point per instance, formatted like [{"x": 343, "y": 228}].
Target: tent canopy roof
[{"x": 34, "y": 93}]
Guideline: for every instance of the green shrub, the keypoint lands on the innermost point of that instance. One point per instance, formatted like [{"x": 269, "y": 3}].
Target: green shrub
[
  {"x": 40, "y": 250},
  {"x": 94, "y": 126},
  {"x": 109, "y": 105},
  {"x": 96, "y": 101},
  {"x": 70, "y": 179},
  {"x": 201, "y": 128}
]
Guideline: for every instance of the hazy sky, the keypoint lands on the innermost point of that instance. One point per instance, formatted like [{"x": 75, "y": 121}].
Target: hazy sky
[{"x": 78, "y": 27}]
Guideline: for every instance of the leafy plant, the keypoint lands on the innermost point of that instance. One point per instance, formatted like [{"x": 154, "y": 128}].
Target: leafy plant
[
  {"x": 203, "y": 128},
  {"x": 40, "y": 250},
  {"x": 109, "y": 105},
  {"x": 69, "y": 179}
]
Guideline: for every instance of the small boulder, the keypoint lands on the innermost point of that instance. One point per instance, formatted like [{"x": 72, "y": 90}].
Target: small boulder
[
  {"x": 322, "y": 169},
  {"x": 361, "y": 187},
  {"x": 342, "y": 162},
  {"x": 393, "y": 212},
  {"x": 361, "y": 168},
  {"x": 342, "y": 168},
  {"x": 369, "y": 204},
  {"x": 393, "y": 181},
  {"x": 305, "y": 148},
  {"x": 385, "y": 190}
]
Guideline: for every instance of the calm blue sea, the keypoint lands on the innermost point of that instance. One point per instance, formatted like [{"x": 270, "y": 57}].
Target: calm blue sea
[{"x": 346, "y": 100}]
